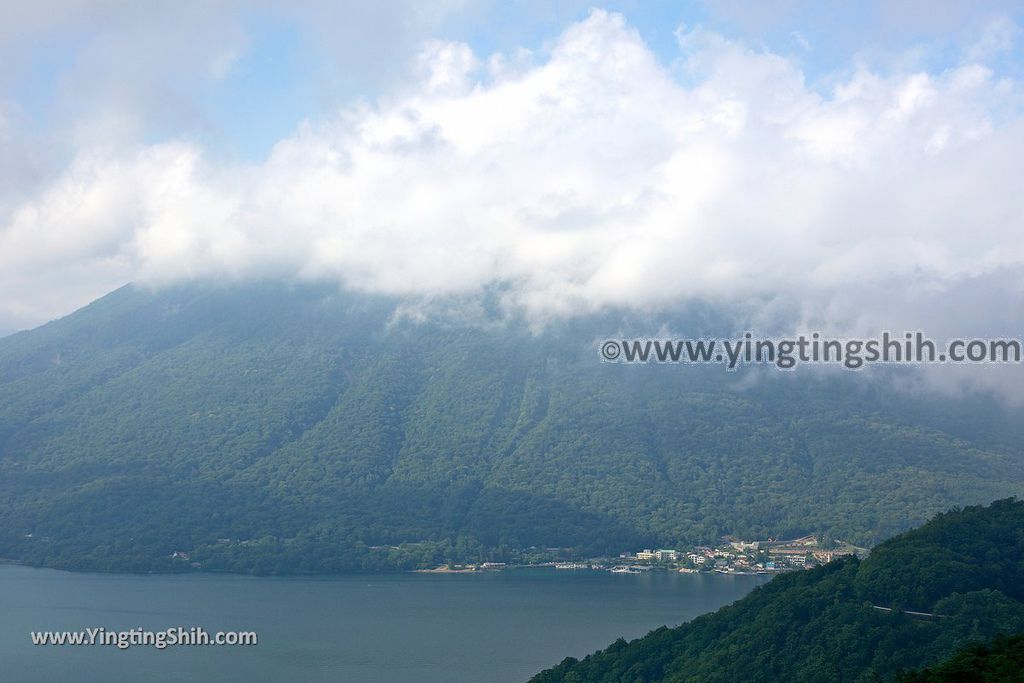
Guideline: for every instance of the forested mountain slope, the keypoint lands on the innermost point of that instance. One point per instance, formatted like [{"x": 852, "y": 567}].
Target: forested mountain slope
[
  {"x": 275, "y": 428},
  {"x": 1001, "y": 661},
  {"x": 965, "y": 569}
]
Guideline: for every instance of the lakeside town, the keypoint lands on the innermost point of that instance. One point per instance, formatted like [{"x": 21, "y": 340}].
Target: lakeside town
[{"x": 731, "y": 556}]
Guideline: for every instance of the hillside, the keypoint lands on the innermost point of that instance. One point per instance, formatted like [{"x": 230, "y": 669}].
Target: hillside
[
  {"x": 271, "y": 428},
  {"x": 965, "y": 568},
  {"x": 1001, "y": 661}
]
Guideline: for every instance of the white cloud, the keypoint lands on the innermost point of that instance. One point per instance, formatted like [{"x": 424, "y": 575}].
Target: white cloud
[{"x": 588, "y": 177}]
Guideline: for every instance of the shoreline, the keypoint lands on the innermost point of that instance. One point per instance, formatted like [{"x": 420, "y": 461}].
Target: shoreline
[{"x": 6, "y": 562}]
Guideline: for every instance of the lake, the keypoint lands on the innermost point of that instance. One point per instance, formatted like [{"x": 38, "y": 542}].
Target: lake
[{"x": 424, "y": 628}]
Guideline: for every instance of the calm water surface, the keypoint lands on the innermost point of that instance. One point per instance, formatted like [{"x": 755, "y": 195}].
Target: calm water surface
[{"x": 493, "y": 627}]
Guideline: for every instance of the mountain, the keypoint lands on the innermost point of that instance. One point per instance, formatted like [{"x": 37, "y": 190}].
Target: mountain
[
  {"x": 1001, "y": 661},
  {"x": 279, "y": 428},
  {"x": 957, "y": 579}
]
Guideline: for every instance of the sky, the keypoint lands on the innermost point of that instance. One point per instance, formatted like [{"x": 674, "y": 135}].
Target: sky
[{"x": 846, "y": 167}]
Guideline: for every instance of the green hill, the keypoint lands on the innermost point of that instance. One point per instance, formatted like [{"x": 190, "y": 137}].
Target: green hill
[
  {"x": 963, "y": 572},
  {"x": 1001, "y": 661},
  {"x": 272, "y": 428}
]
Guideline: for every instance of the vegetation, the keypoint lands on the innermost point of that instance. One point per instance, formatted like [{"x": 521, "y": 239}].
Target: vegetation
[
  {"x": 963, "y": 573},
  {"x": 999, "y": 662},
  {"x": 272, "y": 429}
]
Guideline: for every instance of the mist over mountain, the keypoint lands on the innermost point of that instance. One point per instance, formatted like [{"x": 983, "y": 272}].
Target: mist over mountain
[
  {"x": 588, "y": 171},
  {"x": 482, "y": 291},
  {"x": 297, "y": 428}
]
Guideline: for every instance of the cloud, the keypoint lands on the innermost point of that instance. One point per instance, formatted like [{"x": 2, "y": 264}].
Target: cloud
[{"x": 587, "y": 176}]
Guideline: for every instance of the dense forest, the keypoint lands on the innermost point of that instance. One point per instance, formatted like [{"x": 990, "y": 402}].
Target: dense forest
[
  {"x": 273, "y": 429},
  {"x": 1001, "y": 661},
  {"x": 953, "y": 584}
]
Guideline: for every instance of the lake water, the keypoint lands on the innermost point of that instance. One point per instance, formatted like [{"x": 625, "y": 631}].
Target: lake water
[{"x": 422, "y": 628}]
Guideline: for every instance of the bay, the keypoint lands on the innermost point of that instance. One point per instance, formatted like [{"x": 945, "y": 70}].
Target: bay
[{"x": 425, "y": 628}]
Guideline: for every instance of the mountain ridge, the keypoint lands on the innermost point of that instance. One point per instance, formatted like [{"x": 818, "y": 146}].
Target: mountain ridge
[{"x": 300, "y": 420}]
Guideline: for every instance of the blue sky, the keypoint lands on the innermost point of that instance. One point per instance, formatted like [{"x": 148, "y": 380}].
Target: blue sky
[{"x": 286, "y": 68}]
